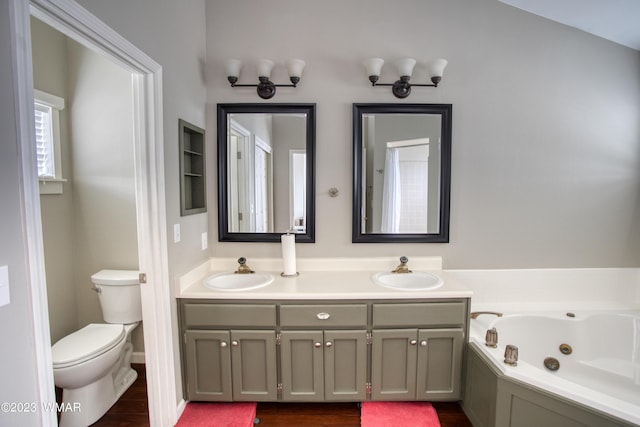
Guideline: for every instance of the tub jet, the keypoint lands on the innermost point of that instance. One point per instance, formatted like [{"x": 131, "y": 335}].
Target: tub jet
[
  {"x": 551, "y": 363},
  {"x": 565, "y": 349}
]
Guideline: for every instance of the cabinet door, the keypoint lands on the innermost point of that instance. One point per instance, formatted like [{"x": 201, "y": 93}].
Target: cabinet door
[
  {"x": 439, "y": 364},
  {"x": 302, "y": 365},
  {"x": 253, "y": 362},
  {"x": 208, "y": 365},
  {"x": 345, "y": 365},
  {"x": 393, "y": 364}
]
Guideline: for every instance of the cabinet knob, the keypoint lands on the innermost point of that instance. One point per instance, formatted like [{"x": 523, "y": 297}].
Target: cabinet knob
[
  {"x": 317, "y": 345},
  {"x": 234, "y": 343},
  {"x": 223, "y": 344},
  {"x": 329, "y": 344},
  {"x": 323, "y": 316},
  {"x": 413, "y": 342},
  {"x": 423, "y": 343}
]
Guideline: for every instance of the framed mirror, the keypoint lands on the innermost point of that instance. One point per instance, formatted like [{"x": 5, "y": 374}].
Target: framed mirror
[
  {"x": 401, "y": 173},
  {"x": 266, "y": 172}
]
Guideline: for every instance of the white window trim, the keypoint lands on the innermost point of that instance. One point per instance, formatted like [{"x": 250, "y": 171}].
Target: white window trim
[{"x": 52, "y": 185}]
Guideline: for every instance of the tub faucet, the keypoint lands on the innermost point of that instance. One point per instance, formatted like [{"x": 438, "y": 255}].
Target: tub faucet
[
  {"x": 403, "y": 267},
  {"x": 475, "y": 314},
  {"x": 243, "y": 268}
]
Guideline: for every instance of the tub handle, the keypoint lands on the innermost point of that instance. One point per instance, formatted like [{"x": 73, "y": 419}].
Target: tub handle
[
  {"x": 511, "y": 355},
  {"x": 491, "y": 338}
]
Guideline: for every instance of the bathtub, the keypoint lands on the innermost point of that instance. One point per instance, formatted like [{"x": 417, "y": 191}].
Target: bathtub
[{"x": 601, "y": 372}]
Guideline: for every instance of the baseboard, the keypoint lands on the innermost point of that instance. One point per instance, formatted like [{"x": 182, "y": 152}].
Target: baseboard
[
  {"x": 137, "y": 357},
  {"x": 181, "y": 407}
]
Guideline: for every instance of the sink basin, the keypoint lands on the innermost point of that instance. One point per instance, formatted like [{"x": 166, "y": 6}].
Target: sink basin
[
  {"x": 416, "y": 281},
  {"x": 237, "y": 282}
]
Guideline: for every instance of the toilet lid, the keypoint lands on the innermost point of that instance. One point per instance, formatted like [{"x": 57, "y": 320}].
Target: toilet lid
[{"x": 86, "y": 343}]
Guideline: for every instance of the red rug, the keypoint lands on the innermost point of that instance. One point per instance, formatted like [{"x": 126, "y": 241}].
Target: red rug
[
  {"x": 398, "y": 414},
  {"x": 237, "y": 414}
]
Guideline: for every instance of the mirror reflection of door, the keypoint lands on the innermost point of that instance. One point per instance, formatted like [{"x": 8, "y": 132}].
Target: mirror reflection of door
[
  {"x": 298, "y": 187},
  {"x": 263, "y": 187},
  {"x": 251, "y": 194}
]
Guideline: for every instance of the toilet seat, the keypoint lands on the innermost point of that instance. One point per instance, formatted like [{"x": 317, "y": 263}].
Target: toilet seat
[{"x": 86, "y": 343}]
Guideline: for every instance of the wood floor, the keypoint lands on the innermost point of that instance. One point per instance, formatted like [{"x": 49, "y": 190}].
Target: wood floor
[{"x": 131, "y": 410}]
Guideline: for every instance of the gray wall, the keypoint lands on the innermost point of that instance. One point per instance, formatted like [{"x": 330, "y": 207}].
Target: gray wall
[
  {"x": 104, "y": 209},
  {"x": 173, "y": 35},
  {"x": 546, "y": 152},
  {"x": 49, "y": 53}
]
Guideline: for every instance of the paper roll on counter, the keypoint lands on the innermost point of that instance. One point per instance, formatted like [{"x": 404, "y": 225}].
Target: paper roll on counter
[{"x": 289, "y": 255}]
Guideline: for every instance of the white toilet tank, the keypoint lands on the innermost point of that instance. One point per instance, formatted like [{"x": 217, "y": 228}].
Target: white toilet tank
[{"x": 119, "y": 294}]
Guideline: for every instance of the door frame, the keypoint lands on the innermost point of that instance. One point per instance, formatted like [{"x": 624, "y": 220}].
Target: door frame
[{"x": 70, "y": 18}]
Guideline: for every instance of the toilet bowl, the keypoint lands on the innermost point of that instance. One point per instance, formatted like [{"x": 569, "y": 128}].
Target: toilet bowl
[{"x": 93, "y": 364}]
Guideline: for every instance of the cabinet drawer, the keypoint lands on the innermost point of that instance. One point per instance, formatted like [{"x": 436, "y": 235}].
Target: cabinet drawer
[
  {"x": 322, "y": 315},
  {"x": 229, "y": 315},
  {"x": 419, "y": 314}
]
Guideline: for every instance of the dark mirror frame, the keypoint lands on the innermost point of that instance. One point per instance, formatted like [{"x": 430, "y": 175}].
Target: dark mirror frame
[
  {"x": 224, "y": 235},
  {"x": 445, "y": 112}
]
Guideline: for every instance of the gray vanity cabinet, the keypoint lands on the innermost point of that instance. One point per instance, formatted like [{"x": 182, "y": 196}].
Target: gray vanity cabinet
[
  {"x": 417, "y": 351},
  {"x": 226, "y": 356},
  {"x": 328, "y": 351},
  {"x": 207, "y": 362},
  {"x": 393, "y": 364},
  {"x": 324, "y": 365},
  {"x": 253, "y": 365},
  {"x": 439, "y": 375},
  {"x": 320, "y": 364}
]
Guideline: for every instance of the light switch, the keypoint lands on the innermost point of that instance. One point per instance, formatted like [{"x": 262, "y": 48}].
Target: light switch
[
  {"x": 4, "y": 285},
  {"x": 205, "y": 241},
  {"x": 176, "y": 233}
]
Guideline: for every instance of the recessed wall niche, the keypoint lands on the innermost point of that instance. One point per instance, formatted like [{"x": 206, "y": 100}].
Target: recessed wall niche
[{"x": 192, "y": 169}]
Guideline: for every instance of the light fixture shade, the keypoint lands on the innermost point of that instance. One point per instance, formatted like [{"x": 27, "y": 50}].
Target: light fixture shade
[
  {"x": 373, "y": 66},
  {"x": 436, "y": 67},
  {"x": 264, "y": 68},
  {"x": 295, "y": 67},
  {"x": 232, "y": 67},
  {"x": 405, "y": 66}
]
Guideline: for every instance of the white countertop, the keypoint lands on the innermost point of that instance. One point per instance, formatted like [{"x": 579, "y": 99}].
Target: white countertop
[{"x": 331, "y": 280}]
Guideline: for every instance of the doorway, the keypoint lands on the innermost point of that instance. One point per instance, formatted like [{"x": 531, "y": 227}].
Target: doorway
[{"x": 75, "y": 22}]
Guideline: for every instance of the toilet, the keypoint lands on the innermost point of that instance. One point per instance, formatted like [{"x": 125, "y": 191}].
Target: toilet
[{"x": 93, "y": 365}]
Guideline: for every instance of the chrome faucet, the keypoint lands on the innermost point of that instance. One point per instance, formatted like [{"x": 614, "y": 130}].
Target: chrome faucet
[
  {"x": 243, "y": 268},
  {"x": 475, "y": 314},
  {"x": 403, "y": 267}
]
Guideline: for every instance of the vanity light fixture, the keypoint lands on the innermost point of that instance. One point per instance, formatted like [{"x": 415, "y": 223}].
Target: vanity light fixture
[
  {"x": 402, "y": 88},
  {"x": 266, "y": 88}
]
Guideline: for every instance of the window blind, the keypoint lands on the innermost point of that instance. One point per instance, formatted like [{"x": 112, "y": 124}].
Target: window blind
[{"x": 44, "y": 141}]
